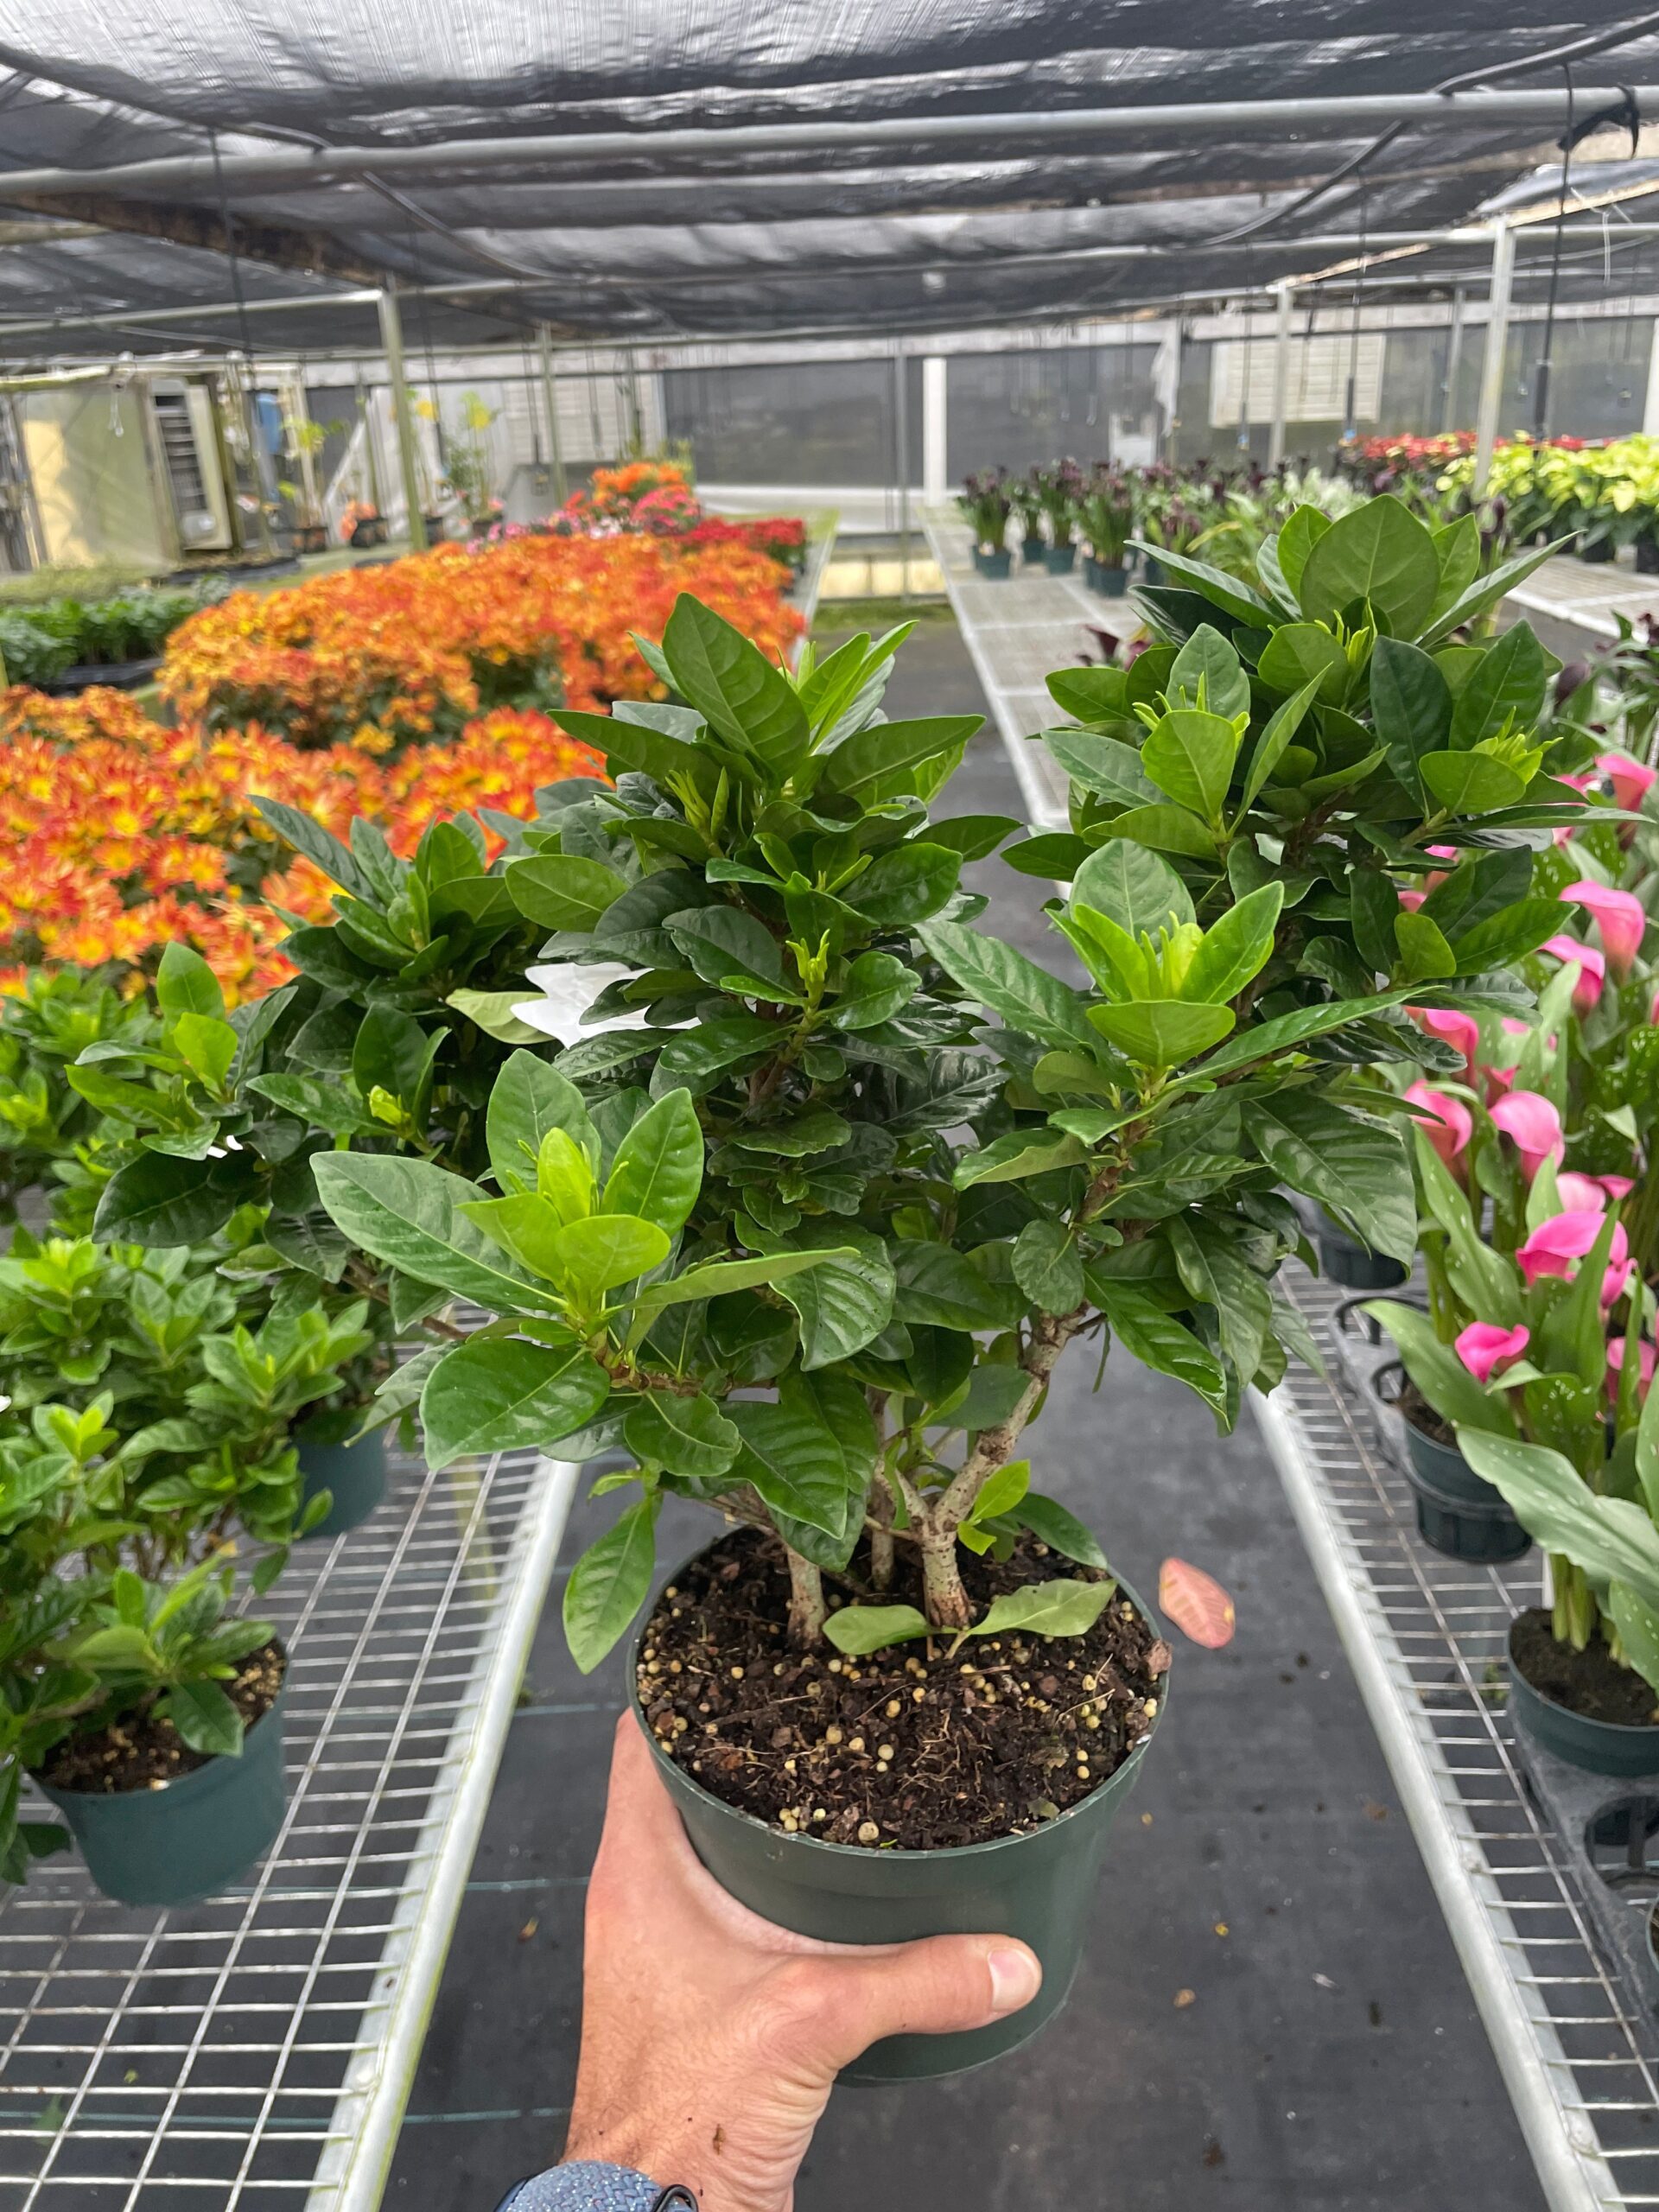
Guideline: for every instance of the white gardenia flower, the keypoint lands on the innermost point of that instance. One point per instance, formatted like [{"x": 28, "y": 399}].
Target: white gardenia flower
[{"x": 568, "y": 990}]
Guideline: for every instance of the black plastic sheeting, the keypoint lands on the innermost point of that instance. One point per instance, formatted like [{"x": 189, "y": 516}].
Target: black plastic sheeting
[{"x": 946, "y": 237}]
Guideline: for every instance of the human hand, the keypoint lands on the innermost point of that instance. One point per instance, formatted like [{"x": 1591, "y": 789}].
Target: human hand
[{"x": 710, "y": 2038}]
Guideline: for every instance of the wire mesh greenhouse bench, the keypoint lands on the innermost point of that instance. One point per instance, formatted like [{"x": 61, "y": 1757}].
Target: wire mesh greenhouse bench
[
  {"x": 257, "y": 2051},
  {"x": 1426, "y": 1637}
]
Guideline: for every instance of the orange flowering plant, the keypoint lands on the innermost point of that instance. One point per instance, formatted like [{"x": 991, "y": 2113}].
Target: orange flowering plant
[{"x": 387, "y": 656}]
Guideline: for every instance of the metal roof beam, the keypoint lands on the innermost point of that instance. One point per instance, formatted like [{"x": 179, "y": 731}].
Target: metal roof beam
[{"x": 280, "y": 167}]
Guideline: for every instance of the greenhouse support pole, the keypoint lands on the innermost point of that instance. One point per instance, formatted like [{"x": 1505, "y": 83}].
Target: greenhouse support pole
[
  {"x": 391, "y": 337},
  {"x": 1498, "y": 343},
  {"x": 1650, "y": 400},
  {"x": 935, "y": 431},
  {"x": 901, "y": 461},
  {"x": 551, "y": 396},
  {"x": 1280, "y": 375},
  {"x": 1453, "y": 367}
]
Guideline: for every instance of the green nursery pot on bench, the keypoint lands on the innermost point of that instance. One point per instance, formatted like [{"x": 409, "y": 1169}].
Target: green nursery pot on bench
[
  {"x": 175, "y": 1845},
  {"x": 1039, "y": 1887},
  {"x": 354, "y": 1474}
]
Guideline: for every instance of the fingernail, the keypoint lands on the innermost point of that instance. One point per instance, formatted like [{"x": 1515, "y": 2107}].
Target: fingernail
[{"x": 1015, "y": 1979}]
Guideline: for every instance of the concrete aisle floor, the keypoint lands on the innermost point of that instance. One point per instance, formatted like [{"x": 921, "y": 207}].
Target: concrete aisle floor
[{"x": 1270, "y": 2017}]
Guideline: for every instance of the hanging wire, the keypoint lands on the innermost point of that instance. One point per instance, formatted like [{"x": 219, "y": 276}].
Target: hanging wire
[
  {"x": 1540, "y": 382},
  {"x": 228, "y": 227}
]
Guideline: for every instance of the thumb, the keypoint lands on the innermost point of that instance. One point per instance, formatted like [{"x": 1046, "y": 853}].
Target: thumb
[{"x": 936, "y": 1987}]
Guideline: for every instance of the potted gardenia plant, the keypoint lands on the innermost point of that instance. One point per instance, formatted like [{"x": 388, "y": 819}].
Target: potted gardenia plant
[
  {"x": 147, "y": 1432},
  {"x": 986, "y": 504},
  {"x": 731, "y": 1233}
]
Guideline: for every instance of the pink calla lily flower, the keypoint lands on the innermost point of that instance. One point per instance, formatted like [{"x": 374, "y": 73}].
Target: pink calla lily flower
[
  {"x": 1534, "y": 1126},
  {"x": 1460, "y": 1031},
  {"x": 1618, "y": 1187},
  {"x": 1582, "y": 1194},
  {"x": 1555, "y": 1243},
  {"x": 1411, "y": 900},
  {"x": 1486, "y": 1350},
  {"x": 1630, "y": 781},
  {"x": 1593, "y": 968},
  {"x": 1617, "y": 1353},
  {"x": 1447, "y": 1122},
  {"x": 1619, "y": 916}
]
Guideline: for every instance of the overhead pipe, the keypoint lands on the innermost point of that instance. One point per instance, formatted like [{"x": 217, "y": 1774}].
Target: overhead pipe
[
  {"x": 564, "y": 281},
  {"x": 278, "y": 167}
]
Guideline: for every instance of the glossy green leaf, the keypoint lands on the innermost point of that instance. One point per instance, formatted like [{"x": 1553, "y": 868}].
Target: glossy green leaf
[
  {"x": 1303, "y": 528},
  {"x": 1355, "y": 1165},
  {"x": 409, "y": 1214},
  {"x": 907, "y": 885},
  {"x": 1208, "y": 673},
  {"x": 658, "y": 1171},
  {"x": 609, "y": 1583},
  {"x": 1161, "y": 1033},
  {"x": 1019, "y": 1154},
  {"x": 1300, "y": 655},
  {"x": 1379, "y": 554},
  {"x": 1164, "y": 830},
  {"x": 1133, "y": 888},
  {"x": 686, "y": 1435},
  {"x": 608, "y": 1249},
  {"x": 500, "y": 1393},
  {"x": 1158, "y": 1340},
  {"x": 1062, "y": 1531},
  {"x": 793, "y": 1461},
  {"x": 1235, "y": 949},
  {"x": 729, "y": 680},
  {"x": 186, "y": 984},
  {"x": 1104, "y": 766},
  {"x": 1411, "y": 707},
  {"x": 1505, "y": 690},
  {"x": 562, "y": 890},
  {"x": 719, "y": 940},
  {"x": 1026, "y": 996},
  {"x": 1190, "y": 756},
  {"x": 1047, "y": 1268},
  {"x": 888, "y": 754},
  {"x": 937, "y": 1287},
  {"x": 1471, "y": 782},
  {"x": 529, "y": 1098},
  {"x": 858, "y": 1629},
  {"x": 1058, "y": 1608}
]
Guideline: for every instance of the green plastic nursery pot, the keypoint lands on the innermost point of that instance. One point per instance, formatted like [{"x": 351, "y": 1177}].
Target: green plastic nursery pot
[
  {"x": 1111, "y": 580},
  {"x": 997, "y": 564},
  {"x": 181, "y": 1842},
  {"x": 354, "y": 1474},
  {"x": 1034, "y": 547},
  {"x": 1038, "y": 1887},
  {"x": 1599, "y": 1746},
  {"x": 1091, "y": 572},
  {"x": 1342, "y": 1259},
  {"x": 1459, "y": 1512},
  {"x": 1059, "y": 560},
  {"x": 1155, "y": 570}
]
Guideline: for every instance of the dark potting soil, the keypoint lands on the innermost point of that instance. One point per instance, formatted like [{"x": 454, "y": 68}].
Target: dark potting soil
[
  {"x": 1422, "y": 1416},
  {"x": 1590, "y": 1683},
  {"x": 139, "y": 1753},
  {"x": 915, "y": 1746}
]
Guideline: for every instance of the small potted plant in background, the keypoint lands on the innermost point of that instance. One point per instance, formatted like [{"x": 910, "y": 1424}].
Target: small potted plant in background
[
  {"x": 145, "y": 1710},
  {"x": 985, "y": 503},
  {"x": 1026, "y": 494},
  {"x": 1060, "y": 487},
  {"x": 1106, "y": 515},
  {"x": 471, "y": 464},
  {"x": 303, "y": 440}
]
